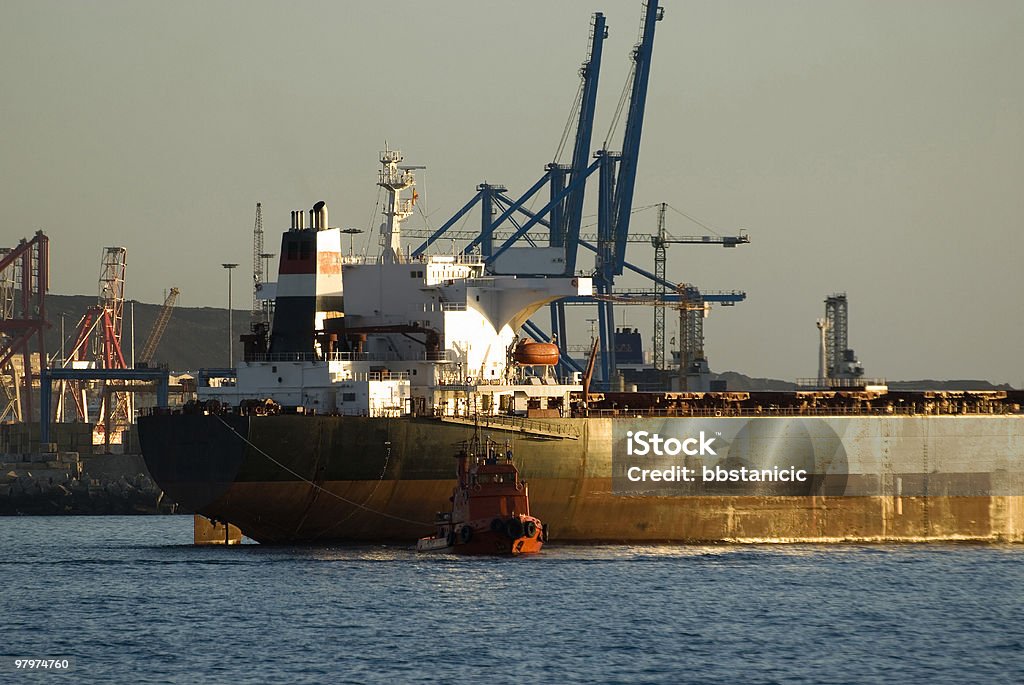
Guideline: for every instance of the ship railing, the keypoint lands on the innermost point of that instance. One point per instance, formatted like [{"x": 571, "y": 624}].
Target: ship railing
[
  {"x": 376, "y": 412},
  {"x": 753, "y": 412},
  {"x": 440, "y": 356},
  {"x": 360, "y": 357},
  {"x": 521, "y": 423},
  {"x": 282, "y": 357},
  {"x": 381, "y": 376},
  {"x": 833, "y": 383},
  {"x": 451, "y": 259},
  {"x": 453, "y": 306},
  {"x": 330, "y": 356}
]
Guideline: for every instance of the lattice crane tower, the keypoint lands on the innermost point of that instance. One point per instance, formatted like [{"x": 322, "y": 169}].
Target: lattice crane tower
[{"x": 258, "y": 276}]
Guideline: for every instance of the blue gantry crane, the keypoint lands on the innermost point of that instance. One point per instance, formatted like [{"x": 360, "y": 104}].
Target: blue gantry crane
[{"x": 562, "y": 213}]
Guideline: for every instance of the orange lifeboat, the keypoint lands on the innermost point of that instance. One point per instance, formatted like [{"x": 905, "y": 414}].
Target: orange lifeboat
[
  {"x": 490, "y": 513},
  {"x": 530, "y": 353}
]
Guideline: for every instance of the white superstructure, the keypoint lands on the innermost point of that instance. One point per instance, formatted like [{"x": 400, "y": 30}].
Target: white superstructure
[{"x": 393, "y": 335}]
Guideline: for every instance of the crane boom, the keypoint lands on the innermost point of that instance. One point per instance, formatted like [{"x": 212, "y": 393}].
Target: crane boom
[
  {"x": 622, "y": 201},
  {"x": 723, "y": 240},
  {"x": 159, "y": 326}
]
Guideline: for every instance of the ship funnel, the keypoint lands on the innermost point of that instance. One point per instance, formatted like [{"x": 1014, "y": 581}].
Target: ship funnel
[{"x": 320, "y": 212}]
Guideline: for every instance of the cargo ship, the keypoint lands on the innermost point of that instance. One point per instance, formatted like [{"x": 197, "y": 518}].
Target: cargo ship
[{"x": 339, "y": 423}]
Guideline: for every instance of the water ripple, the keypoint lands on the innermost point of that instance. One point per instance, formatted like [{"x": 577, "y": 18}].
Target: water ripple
[{"x": 130, "y": 599}]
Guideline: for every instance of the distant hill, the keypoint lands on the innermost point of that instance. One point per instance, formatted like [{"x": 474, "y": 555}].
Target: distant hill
[
  {"x": 947, "y": 385},
  {"x": 196, "y": 337},
  {"x": 739, "y": 382}
]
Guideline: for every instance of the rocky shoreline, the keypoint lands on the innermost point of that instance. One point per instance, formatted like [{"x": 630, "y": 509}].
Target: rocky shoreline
[{"x": 66, "y": 483}]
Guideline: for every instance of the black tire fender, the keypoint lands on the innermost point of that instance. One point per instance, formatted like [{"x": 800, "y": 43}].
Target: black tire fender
[
  {"x": 514, "y": 528},
  {"x": 530, "y": 529}
]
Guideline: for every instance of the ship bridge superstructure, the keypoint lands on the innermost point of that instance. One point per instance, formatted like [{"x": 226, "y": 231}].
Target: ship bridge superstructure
[{"x": 396, "y": 334}]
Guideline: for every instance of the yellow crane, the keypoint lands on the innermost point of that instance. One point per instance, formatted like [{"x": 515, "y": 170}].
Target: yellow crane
[{"x": 159, "y": 326}]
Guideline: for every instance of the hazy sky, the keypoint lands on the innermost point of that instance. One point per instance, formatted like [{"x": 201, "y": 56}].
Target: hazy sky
[{"x": 875, "y": 148}]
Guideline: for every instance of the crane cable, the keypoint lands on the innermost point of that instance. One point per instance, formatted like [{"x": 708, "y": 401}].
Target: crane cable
[
  {"x": 573, "y": 116},
  {"x": 699, "y": 223},
  {"x": 626, "y": 88}
]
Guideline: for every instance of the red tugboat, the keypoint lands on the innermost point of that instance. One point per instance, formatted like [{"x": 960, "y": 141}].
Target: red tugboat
[{"x": 490, "y": 511}]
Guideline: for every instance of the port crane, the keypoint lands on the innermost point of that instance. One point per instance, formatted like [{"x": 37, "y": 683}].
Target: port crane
[
  {"x": 24, "y": 280},
  {"x": 159, "y": 326},
  {"x": 660, "y": 241},
  {"x": 561, "y": 215},
  {"x": 261, "y": 306},
  {"x": 98, "y": 346}
]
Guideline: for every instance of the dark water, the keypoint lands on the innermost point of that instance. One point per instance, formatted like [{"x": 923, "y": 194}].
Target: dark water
[{"x": 131, "y": 601}]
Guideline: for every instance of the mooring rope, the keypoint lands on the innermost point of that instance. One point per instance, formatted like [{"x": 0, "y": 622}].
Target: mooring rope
[{"x": 318, "y": 487}]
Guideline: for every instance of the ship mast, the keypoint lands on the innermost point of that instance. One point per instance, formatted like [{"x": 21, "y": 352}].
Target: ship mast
[{"x": 394, "y": 179}]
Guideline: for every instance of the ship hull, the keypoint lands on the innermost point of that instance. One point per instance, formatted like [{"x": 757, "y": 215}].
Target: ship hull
[{"x": 288, "y": 479}]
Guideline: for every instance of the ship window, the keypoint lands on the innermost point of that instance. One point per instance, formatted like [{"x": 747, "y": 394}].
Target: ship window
[
  {"x": 273, "y": 369},
  {"x": 348, "y": 397},
  {"x": 477, "y": 298}
]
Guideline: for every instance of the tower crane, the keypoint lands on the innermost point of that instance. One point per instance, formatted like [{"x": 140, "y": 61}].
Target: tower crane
[
  {"x": 258, "y": 276},
  {"x": 660, "y": 241}
]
